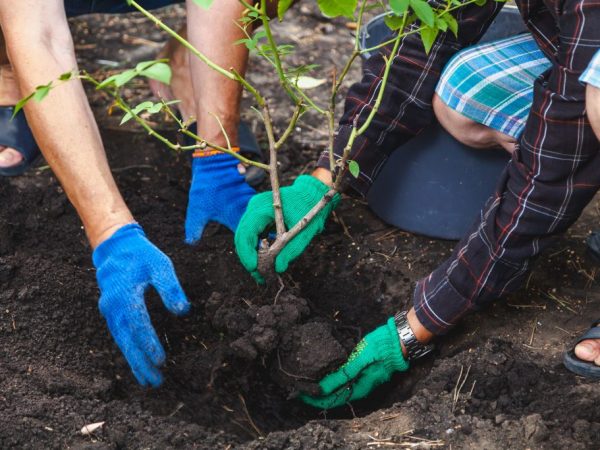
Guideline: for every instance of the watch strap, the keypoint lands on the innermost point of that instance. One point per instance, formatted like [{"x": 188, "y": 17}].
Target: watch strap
[{"x": 414, "y": 349}]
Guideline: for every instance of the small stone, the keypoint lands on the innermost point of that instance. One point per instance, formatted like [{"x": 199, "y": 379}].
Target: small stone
[
  {"x": 535, "y": 428},
  {"x": 581, "y": 430}
]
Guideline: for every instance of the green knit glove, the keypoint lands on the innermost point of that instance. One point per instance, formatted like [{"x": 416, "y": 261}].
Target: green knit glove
[
  {"x": 372, "y": 362},
  {"x": 297, "y": 200}
]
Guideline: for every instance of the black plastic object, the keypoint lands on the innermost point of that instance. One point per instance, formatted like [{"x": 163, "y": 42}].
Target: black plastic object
[
  {"x": 434, "y": 185},
  {"x": 15, "y": 133}
]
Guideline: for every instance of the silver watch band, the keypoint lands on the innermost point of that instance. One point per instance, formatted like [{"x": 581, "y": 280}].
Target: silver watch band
[{"x": 414, "y": 349}]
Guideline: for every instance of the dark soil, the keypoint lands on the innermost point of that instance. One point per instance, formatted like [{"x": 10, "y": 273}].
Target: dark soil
[{"x": 237, "y": 360}]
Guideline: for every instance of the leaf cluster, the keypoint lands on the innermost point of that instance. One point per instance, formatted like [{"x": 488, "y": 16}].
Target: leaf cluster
[{"x": 157, "y": 70}]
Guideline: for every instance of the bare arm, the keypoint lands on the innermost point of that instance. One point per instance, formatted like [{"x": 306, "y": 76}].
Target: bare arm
[{"x": 40, "y": 48}]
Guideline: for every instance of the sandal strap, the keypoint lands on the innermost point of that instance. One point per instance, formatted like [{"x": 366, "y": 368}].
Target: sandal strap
[
  {"x": 592, "y": 333},
  {"x": 16, "y": 134}
]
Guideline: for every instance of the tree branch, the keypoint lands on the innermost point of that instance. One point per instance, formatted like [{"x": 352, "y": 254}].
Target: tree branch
[{"x": 273, "y": 173}]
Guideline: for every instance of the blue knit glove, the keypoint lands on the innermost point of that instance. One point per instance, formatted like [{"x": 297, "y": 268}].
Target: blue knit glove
[
  {"x": 218, "y": 193},
  {"x": 126, "y": 264}
]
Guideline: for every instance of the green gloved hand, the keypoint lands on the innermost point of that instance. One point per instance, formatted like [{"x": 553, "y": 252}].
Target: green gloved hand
[
  {"x": 372, "y": 362},
  {"x": 297, "y": 200}
]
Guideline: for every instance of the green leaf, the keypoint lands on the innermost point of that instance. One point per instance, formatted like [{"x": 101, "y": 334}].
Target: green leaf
[
  {"x": 452, "y": 23},
  {"x": 159, "y": 72},
  {"x": 142, "y": 106},
  {"x": 20, "y": 104},
  {"x": 399, "y": 6},
  {"x": 126, "y": 118},
  {"x": 259, "y": 35},
  {"x": 428, "y": 36},
  {"x": 354, "y": 168},
  {"x": 125, "y": 77},
  {"x": 143, "y": 65},
  {"x": 423, "y": 12},
  {"x": 107, "y": 81},
  {"x": 65, "y": 76},
  {"x": 480, "y": 2},
  {"x": 155, "y": 108},
  {"x": 282, "y": 7},
  {"x": 203, "y": 3},
  {"x": 393, "y": 22},
  {"x": 441, "y": 23},
  {"x": 249, "y": 43},
  {"x": 335, "y": 8},
  {"x": 41, "y": 92},
  {"x": 412, "y": 18}
]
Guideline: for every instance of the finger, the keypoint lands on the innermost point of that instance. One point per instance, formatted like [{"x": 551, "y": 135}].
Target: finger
[
  {"x": 369, "y": 379},
  {"x": 165, "y": 281},
  {"x": 121, "y": 328},
  {"x": 345, "y": 374},
  {"x": 145, "y": 336},
  {"x": 333, "y": 400},
  {"x": 292, "y": 250},
  {"x": 360, "y": 387},
  {"x": 258, "y": 277},
  {"x": 195, "y": 222},
  {"x": 258, "y": 216}
]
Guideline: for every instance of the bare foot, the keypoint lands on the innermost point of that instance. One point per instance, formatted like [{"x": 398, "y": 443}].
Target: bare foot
[
  {"x": 9, "y": 95},
  {"x": 589, "y": 350}
]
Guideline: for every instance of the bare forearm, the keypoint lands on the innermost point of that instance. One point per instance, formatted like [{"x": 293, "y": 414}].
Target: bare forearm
[{"x": 64, "y": 127}]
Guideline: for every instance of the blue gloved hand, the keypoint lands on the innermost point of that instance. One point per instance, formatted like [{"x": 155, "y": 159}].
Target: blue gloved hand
[
  {"x": 126, "y": 264},
  {"x": 218, "y": 193}
]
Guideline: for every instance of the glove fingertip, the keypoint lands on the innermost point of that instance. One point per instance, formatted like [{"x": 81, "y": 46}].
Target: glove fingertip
[
  {"x": 193, "y": 237},
  {"x": 281, "y": 264},
  {"x": 324, "y": 403},
  {"x": 178, "y": 304},
  {"x": 153, "y": 379},
  {"x": 258, "y": 277}
]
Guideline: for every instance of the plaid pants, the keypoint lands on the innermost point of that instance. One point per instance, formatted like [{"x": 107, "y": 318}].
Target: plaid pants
[{"x": 553, "y": 174}]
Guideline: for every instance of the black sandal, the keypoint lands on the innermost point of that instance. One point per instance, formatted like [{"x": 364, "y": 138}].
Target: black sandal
[
  {"x": 15, "y": 133},
  {"x": 584, "y": 368}
]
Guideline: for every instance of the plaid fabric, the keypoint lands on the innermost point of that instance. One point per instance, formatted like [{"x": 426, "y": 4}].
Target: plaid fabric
[
  {"x": 554, "y": 171},
  {"x": 492, "y": 83},
  {"x": 592, "y": 73}
]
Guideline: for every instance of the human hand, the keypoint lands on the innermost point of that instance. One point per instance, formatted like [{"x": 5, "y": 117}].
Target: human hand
[
  {"x": 126, "y": 264},
  {"x": 372, "y": 362},
  {"x": 218, "y": 193},
  {"x": 297, "y": 200}
]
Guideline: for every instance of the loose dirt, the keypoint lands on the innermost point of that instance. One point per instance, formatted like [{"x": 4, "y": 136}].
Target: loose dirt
[{"x": 236, "y": 362}]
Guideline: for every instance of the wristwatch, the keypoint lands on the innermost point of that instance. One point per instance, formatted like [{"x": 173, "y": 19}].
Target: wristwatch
[{"x": 414, "y": 349}]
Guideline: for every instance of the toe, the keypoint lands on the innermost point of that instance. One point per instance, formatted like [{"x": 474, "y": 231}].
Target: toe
[
  {"x": 588, "y": 350},
  {"x": 10, "y": 157}
]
